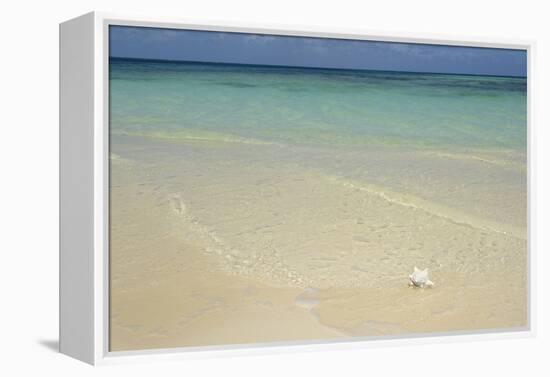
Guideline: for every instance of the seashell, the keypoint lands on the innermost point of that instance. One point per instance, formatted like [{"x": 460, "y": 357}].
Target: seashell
[{"x": 419, "y": 278}]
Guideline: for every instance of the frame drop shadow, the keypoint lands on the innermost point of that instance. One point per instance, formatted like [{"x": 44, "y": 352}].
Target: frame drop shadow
[{"x": 51, "y": 344}]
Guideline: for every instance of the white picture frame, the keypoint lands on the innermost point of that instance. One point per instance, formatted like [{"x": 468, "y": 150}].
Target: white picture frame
[{"x": 84, "y": 176}]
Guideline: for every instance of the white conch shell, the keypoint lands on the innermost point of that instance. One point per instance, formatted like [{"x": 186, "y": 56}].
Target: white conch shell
[{"x": 419, "y": 278}]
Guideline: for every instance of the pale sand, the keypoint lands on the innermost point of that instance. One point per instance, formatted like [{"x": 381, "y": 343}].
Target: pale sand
[
  {"x": 230, "y": 243},
  {"x": 168, "y": 293}
]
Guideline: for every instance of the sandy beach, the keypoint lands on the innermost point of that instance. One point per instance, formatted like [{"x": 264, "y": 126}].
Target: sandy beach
[{"x": 236, "y": 242}]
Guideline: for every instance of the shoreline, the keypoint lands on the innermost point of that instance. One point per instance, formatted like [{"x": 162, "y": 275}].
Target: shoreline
[{"x": 230, "y": 244}]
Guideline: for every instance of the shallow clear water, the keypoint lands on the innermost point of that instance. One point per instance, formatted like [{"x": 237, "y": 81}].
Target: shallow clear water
[{"x": 295, "y": 105}]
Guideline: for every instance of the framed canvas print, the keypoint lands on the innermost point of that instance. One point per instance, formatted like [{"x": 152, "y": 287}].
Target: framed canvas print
[{"x": 226, "y": 188}]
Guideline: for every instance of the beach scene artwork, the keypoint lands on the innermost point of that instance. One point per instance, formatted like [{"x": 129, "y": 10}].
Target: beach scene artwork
[{"x": 270, "y": 189}]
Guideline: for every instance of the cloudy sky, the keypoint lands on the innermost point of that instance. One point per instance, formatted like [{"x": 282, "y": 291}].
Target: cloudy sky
[{"x": 218, "y": 47}]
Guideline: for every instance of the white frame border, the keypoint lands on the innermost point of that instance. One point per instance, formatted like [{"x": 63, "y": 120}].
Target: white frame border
[{"x": 102, "y": 355}]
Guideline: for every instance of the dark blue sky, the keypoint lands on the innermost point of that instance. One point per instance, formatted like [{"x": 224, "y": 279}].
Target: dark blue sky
[{"x": 218, "y": 47}]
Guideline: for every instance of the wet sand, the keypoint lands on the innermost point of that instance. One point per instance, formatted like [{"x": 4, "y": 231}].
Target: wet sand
[{"x": 231, "y": 242}]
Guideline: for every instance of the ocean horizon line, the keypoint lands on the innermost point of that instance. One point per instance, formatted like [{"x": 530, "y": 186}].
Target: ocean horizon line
[{"x": 317, "y": 68}]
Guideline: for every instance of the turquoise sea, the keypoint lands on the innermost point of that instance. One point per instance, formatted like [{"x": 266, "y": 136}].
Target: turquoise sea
[{"x": 316, "y": 106}]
